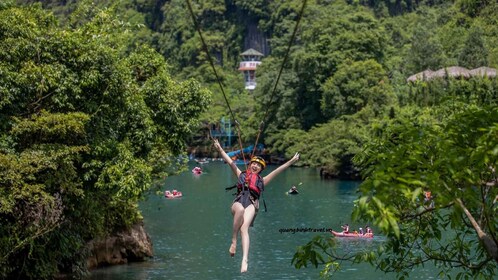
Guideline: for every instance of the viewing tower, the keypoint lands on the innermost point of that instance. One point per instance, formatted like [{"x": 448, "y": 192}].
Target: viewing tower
[{"x": 251, "y": 58}]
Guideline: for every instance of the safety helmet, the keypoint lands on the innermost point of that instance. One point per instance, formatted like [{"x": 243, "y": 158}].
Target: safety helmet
[{"x": 259, "y": 160}]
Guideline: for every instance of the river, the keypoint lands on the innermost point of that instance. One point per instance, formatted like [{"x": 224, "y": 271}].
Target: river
[{"x": 191, "y": 235}]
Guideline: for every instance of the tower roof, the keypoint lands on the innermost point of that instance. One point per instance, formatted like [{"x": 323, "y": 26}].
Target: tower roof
[{"x": 252, "y": 52}]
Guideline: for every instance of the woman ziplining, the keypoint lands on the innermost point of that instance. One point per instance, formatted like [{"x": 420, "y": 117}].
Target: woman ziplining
[
  {"x": 245, "y": 206},
  {"x": 250, "y": 183}
]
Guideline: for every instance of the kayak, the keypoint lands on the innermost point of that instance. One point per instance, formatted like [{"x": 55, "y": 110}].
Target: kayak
[
  {"x": 174, "y": 194},
  {"x": 293, "y": 190},
  {"x": 351, "y": 234},
  {"x": 197, "y": 170}
]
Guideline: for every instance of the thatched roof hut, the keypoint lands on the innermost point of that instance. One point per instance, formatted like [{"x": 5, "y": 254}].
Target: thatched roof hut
[
  {"x": 422, "y": 76},
  {"x": 453, "y": 72},
  {"x": 483, "y": 72}
]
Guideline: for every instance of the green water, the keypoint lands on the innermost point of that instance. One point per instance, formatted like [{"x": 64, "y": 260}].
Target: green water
[{"x": 191, "y": 235}]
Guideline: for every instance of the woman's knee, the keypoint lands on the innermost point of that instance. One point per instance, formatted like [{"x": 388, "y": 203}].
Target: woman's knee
[{"x": 244, "y": 230}]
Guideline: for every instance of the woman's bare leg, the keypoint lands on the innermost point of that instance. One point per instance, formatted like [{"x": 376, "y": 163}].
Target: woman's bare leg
[
  {"x": 249, "y": 213},
  {"x": 238, "y": 219}
]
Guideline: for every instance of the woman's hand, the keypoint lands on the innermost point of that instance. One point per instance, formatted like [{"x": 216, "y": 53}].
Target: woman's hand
[
  {"x": 295, "y": 157},
  {"x": 217, "y": 145}
]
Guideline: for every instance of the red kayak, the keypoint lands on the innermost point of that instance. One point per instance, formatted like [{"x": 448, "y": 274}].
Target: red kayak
[
  {"x": 173, "y": 194},
  {"x": 351, "y": 234}
]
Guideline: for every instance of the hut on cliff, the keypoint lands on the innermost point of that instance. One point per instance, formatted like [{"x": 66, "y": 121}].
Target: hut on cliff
[
  {"x": 453, "y": 72},
  {"x": 456, "y": 72},
  {"x": 483, "y": 72},
  {"x": 422, "y": 76}
]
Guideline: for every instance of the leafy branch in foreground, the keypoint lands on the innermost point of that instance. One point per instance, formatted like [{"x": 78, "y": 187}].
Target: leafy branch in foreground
[
  {"x": 451, "y": 152},
  {"x": 325, "y": 251}
]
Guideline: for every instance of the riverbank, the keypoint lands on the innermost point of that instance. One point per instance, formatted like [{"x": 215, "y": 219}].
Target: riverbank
[
  {"x": 208, "y": 152},
  {"x": 131, "y": 245},
  {"x": 201, "y": 154}
]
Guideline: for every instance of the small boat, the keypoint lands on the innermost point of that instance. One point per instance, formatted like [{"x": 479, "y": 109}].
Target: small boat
[
  {"x": 172, "y": 194},
  {"x": 351, "y": 234},
  {"x": 202, "y": 161}
]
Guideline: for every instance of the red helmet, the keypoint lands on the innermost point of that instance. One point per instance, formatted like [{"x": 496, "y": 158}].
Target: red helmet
[{"x": 259, "y": 160}]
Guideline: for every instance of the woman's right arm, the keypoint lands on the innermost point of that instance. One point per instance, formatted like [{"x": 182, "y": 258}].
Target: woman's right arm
[{"x": 227, "y": 159}]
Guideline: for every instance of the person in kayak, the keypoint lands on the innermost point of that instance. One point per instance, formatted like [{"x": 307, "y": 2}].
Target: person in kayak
[
  {"x": 245, "y": 206},
  {"x": 293, "y": 190},
  {"x": 368, "y": 230},
  {"x": 345, "y": 228}
]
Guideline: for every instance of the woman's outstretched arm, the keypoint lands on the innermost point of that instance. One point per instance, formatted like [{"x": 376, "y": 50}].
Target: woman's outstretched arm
[
  {"x": 281, "y": 168},
  {"x": 227, "y": 159}
]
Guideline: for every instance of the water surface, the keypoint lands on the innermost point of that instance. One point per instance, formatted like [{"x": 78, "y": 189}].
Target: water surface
[{"x": 191, "y": 235}]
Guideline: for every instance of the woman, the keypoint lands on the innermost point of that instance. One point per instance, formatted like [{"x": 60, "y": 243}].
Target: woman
[{"x": 250, "y": 185}]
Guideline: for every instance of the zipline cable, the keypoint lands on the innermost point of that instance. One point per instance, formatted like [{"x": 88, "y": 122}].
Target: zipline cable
[
  {"x": 206, "y": 50},
  {"x": 291, "y": 42}
]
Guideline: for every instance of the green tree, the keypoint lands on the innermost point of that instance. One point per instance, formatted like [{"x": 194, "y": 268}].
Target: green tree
[
  {"x": 474, "y": 53},
  {"x": 425, "y": 52},
  {"x": 180, "y": 42},
  {"x": 450, "y": 151},
  {"x": 354, "y": 86},
  {"x": 88, "y": 122},
  {"x": 398, "y": 7},
  {"x": 472, "y": 7},
  {"x": 330, "y": 34}
]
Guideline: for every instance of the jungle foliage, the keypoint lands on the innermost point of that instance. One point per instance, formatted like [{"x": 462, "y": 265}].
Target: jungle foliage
[
  {"x": 88, "y": 122},
  {"x": 343, "y": 101}
]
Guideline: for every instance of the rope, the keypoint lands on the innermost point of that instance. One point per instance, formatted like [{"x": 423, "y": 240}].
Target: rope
[
  {"x": 257, "y": 138},
  {"x": 205, "y": 47},
  {"x": 291, "y": 42}
]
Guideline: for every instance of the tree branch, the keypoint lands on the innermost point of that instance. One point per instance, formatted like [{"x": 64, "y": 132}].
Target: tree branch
[{"x": 488, "y": 243}]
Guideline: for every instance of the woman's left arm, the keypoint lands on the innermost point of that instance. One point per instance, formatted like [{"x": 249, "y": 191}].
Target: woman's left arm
[{"x": 281, "y": 168}]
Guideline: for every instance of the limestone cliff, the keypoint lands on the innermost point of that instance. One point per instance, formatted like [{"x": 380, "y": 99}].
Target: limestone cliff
[{"x": 127, "y": 246}]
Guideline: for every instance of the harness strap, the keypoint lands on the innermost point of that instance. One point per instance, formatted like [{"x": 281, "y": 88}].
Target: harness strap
[{"x": 248, "y": 180}]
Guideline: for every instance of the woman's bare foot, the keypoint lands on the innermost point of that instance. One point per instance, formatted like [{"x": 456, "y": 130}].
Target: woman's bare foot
[
  {"x": 243, "y": 266},
  {"x": 232, "y": 249}
]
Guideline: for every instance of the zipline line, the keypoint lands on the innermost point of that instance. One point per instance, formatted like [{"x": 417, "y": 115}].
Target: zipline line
[
  {"x": 291, "y": 42},
  {"x": 206, "y": 50},
  {"x": 205, "y": 47}
]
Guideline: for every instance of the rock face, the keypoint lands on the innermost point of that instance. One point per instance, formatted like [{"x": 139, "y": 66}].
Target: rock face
[
  {"x": 132, "y": 245},
  {"x": 256, "y": 39}
]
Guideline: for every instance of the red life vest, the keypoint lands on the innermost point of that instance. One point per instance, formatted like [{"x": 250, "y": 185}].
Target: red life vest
[{"x": 252, "y": 181}]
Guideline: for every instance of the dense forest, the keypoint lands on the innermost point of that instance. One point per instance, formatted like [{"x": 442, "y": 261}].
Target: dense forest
[{"x": 100, "y": 99}]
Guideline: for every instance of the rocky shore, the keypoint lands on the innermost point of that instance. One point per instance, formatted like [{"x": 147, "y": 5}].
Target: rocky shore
[{"x": 127, "y": 246}]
